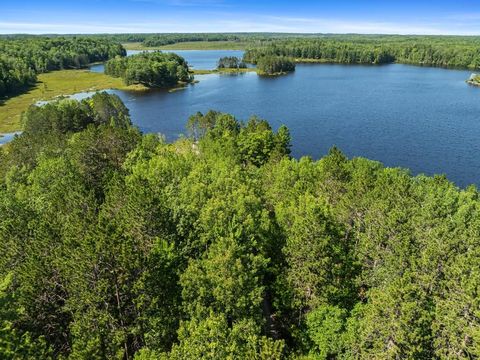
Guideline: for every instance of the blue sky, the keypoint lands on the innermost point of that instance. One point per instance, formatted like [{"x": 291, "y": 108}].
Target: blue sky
[{"x": 121, "y": 16}]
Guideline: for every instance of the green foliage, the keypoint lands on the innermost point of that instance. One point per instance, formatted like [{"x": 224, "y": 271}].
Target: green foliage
[
  {"x": 318, "y": 254},
  {"x": 47, "y": 128},
  {"x": 22, "y": 58},
  {"x": 152, "y": 69},
  {"x": 396, "y": 322},
  {"x": 15, "y": 344},
  {"x": 15, "y": 75},
  {"x": 152, "y": 40},
  {"x": 272, "y": 65},
  {"x": 373, "y": 49},
  {"x": 118, "y": 245},
  {"x": 326, "y": 325},
  {"x": 231, "y": 62},
  {"x": 252, "y": 142},
  {"x": 214, "y": 339}
]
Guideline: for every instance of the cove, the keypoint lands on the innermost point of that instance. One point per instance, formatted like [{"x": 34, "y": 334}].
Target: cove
[{"x": 424, "y": 119}]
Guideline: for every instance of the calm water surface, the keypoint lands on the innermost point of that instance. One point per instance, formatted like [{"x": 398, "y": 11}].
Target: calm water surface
[
  {"x": 197, "y": 59},
  {"x": 424, "y": 119},
  {"x": 7, "y": 137}
]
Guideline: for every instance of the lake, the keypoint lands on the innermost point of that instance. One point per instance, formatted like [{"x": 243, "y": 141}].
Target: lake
[
  {"x": 197, "y": 59},
  {"x": 424, "y": 119}
]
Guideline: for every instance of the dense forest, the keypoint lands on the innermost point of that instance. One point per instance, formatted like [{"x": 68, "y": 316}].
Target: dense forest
[
  {"x": 21, "y": 58},
  {"x": 118, "y": 245},
  {"x": 160, "y": 39},
  {"x": 445, "y": 51},
  {"x": 454, "y": 51},
  {"x": 167, "y": 39},
  {"x": 231, "y": 62},
  {"x": 274, "y": 65},
  {"x": 357, "y": 49},
  {"x": 152, "y": 69}
]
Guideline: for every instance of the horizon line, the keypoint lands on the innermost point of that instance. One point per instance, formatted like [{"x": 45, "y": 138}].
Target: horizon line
[{"x": 236, "y": 32}]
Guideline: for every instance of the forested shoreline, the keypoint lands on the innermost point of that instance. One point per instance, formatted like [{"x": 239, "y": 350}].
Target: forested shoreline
[
  {"x": 441, "y": 51},
  {"x": 23, "y": 57},
  {"x": 448, "y": 51},
  {"x": 428, "y": 51},
  {"x": 119, "y": 245}
]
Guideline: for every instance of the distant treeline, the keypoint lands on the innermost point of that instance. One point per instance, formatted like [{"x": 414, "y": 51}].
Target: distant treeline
[
  {"x": 154, "y": 69},
  {"x": 431, "y": 51},
  {"x": 160, "y": 39},
  {"x": 444, "y": 51},
  {"x": 177, "y": 38},
  {"x": 22, "y": 58}
]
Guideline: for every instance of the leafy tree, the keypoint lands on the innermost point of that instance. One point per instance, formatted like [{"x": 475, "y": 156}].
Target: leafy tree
[
  {"x": 274, "y": 65},
  {"x": 231, "y": 62},
  {"x": 23, "y": 57},
  {"x": 119, "y": 245},
  {"x": 152, "y": 69}
]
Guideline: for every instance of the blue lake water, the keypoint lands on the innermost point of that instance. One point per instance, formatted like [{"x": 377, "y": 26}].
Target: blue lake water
[
  {"x": 5, "y": 138},
  {"x": 197, "y": 59},
  {"x": 425, "y": 119}
]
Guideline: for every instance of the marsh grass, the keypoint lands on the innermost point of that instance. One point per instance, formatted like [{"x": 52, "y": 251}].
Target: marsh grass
[{"x": 51, "y": 85}]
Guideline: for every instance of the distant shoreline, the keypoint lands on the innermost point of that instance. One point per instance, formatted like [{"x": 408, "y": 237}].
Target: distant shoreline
[{"x": 190, "y": 45}]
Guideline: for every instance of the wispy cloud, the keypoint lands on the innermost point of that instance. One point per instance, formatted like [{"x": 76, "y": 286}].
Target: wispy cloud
[
  {"x": 328, "y": 25},
  {"x": 63, "y": 28},
  {"x": 228, "y": 22},
  {"x": 392, "y": 17}
]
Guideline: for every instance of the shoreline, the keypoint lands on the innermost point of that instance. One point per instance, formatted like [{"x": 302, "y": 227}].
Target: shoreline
[
  {"x": 5, "y": 138},
  {"x": 222, "y": 71},
  {"x": 52, "y": 85},
  {"x": 190, "y": 45},
  {"x": 60, "y": 83}
]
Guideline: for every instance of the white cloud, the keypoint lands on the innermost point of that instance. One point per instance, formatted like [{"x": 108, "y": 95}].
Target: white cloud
[
  {"x": 467, "y": 17},
  {"x": 50, "y": 28},
  {"x": 227, "y": 22}
]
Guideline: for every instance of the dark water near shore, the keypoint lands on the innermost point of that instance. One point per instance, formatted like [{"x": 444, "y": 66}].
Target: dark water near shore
[{"x": 424, "y": 119}]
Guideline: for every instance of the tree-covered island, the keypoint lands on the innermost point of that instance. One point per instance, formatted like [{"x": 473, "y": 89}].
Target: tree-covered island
[
  {"x": 231, "y": 62},
  {"x": 151, "y": 69},
  {"x": 274, "y": 65}
]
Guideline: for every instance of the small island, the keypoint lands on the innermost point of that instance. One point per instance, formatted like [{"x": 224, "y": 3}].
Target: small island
[
  {"x": 272, "y": 65},
  {"x": 231, "y": 62},
  {"x": 226, "y": 65},
  {"x": 150, "y": 69},
  {"x": 474, "y": 80}
]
